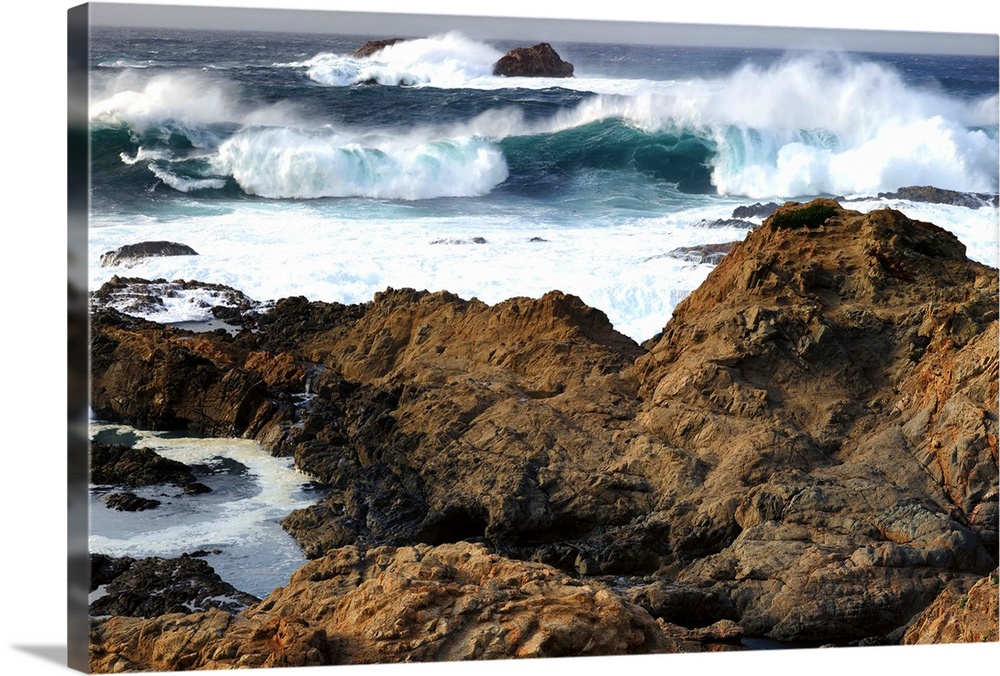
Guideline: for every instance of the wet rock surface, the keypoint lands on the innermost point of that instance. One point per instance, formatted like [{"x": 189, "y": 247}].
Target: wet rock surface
[
  {"x": 130, "y": 254},
  {"x": 807, "y": 450},
  {"x": 934, "y": 195},
  {"x": 156, "y": 586},
  {"x": 130, "y": 502},
  {"x": 119, "y": 465},
  {"x": 144, "y": 297},
  {"x": 373, "y": 46},
  {"x": 541, "y": 60}
]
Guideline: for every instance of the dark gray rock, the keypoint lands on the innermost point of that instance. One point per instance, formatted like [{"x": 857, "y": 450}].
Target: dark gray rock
[
  {"x": 130, "y": 254},
  {"x": 156, "y": 586},
  {"x": 129, "y": 502},
  {"x": 538, "y": 61}
]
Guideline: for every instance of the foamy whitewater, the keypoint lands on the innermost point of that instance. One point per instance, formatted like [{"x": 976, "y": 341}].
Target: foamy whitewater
[
  {"x": 294, "y": 168},
  {"x": 237, "y": 524}
]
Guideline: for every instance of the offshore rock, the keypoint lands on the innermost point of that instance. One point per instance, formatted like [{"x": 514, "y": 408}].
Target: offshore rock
[
  {"x": 808, "y": 449},
  {"x": 538, "y": 61},
  {"x": 130, "y": 254},
  {"x": 755, "y": 210},
  {"x": 373, "y": 46},
  {"x": 926, "y": 193},
  {"x": 706, "y": 254},
  {"x": 452, "y": 602}
]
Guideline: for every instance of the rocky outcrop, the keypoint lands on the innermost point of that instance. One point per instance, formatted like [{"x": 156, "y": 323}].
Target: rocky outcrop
[
  {"x": 452, "y": 602},
  {"x": 130, "y": 502},
  {"x": 538, "y": 61},
  {"x": 854, "y": 359},
  {"x": 118, "y": 465},
  {"x": 755, "y": 210},
  {"x": 707, "y": 254},
  {"x": 808, "y": 449},
  {"x": 156, "y": 586},
  {"x": 373, "y": 46},
  {"x": 960, "y": 614},
  {"x": 143, "y": 297},
  {"x": 926, "y": 193},
  {"x": 130, "y": 254}
]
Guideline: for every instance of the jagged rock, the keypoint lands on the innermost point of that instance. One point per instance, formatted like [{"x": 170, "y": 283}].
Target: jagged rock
[
  {"x": 451, "y": 602},
  {"x": 926, "y": 193},
  {"x": 143, "y": 297},
  {"x": 156, "y": 586},
  {"x": 726, "y": 223},
  {"x": 119, "y": 465},
  {"x": 708, "y": 254},
  {"x": 538, "y": 61},
  {"x": 130, "y": 254},
  {"x": 960, "y": 614},
  {"x": 808, "y": 449},
  {"x": 756, "y": 209},
  {"x": 129, "y": 502},
  {"x": 161, "y": 378},
  {"x": 373, "y": 46},
  {"x": 863, "y": 460},
  {"x": 104, "y": 568}
]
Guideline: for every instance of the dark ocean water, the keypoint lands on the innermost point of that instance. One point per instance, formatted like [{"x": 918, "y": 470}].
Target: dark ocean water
[{"x": 226, "y": 115}]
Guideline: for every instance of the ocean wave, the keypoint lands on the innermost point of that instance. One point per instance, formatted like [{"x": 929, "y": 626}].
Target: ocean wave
[
  {"x": 449, "y": 60},
  {"x": 182, "y": 184},
  {"x": 814, "y": 125},
  {"x": 805, "y": 125},
  {"x": 193, "y": 100},
  {"x": 290, "y": 163}
]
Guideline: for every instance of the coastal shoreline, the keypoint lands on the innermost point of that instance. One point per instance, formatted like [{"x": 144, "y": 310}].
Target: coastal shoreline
[{"x": 395, "y": 356}]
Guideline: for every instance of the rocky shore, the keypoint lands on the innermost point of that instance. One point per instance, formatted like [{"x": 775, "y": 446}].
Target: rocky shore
[{"x": 806, "y": 452}]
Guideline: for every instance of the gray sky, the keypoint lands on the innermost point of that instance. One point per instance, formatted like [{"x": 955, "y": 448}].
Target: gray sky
[{"x": 536, "y": 29}]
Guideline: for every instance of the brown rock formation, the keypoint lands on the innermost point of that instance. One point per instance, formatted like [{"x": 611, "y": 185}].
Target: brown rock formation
[
  {"x": 808, "y": 449},
  {"x": 538, "y": 61},
  {"x": 373, "y": 46},
  {"x": 959, "y": 615},
  {"x": 450, "y": 602}
]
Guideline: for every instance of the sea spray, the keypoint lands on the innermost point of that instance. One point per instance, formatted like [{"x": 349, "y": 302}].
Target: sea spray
[{"x": 289, "y": 163}]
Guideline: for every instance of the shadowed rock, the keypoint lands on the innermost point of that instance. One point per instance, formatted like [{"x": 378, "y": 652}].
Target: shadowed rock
[
  {"x": 373, "y": 46},
  {"x": 538, "y": 61},
  {"x": 156, "y": 586},
  {"x": 926, "y": 193},
  {"x": 130, "y": 254}
]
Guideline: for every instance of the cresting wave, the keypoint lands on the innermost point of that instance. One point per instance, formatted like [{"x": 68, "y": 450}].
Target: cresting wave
[
  {"x": 806, "y": 125},
  {"x": 450, "y": 60},
  {"x": 291, "y": 163}
]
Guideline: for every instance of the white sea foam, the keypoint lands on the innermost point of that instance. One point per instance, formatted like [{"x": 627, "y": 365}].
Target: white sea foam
[
  {"x": 240, "y": 517},
  {"x": 185, "y": 184},
  {"x": 347, "y": 251},
  {"x": 450, "y": 60},
  {"x": 812, "y": 125},
  {"x": 191, "y": 99}
]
